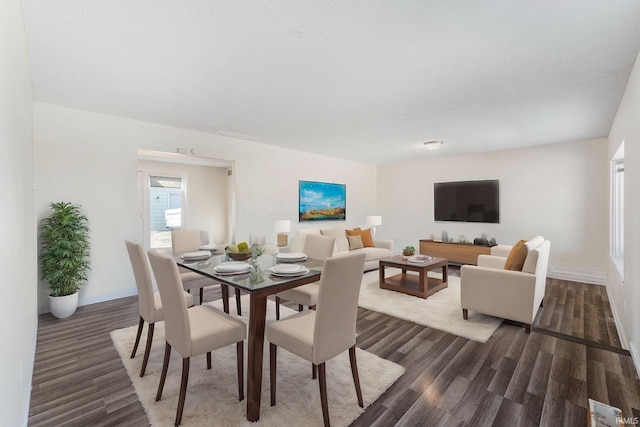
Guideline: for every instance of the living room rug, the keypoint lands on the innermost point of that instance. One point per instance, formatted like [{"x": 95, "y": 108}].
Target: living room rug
[
  {"x": 212, "y": 395},
  {"x": 439, "y": 311}
]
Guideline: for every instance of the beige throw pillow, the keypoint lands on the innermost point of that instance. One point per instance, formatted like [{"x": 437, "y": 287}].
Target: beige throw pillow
[{"x": 355, "y": 242}]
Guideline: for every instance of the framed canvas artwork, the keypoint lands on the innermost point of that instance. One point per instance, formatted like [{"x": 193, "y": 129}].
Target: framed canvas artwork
[{"x": 319, "y": 201}]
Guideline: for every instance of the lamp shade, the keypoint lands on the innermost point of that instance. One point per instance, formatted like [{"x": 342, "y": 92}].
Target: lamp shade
[
  {"x": 373, "y": 220},
  {"x": 282, "y": 226}
]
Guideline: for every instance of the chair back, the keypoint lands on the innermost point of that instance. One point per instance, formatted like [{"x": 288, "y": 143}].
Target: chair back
[
  {"x": 176, "y": 319},
  {"x": 319, "y": 247},
  {"x": 142, "y": 274},
  {"x": 337, "y": 309},
  {"x": 185, "y": 241}
]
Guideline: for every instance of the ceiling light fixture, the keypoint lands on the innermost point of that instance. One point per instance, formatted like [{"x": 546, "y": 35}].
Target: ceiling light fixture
[{"x": 433, "y": 145}]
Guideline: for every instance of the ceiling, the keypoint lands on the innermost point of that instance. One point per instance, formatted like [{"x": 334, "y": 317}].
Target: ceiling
[{"x": 362, "y": 80}]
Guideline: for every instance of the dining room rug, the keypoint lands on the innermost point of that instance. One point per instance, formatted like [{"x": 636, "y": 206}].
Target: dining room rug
[
  {"x": 212, "y": 395},
  {"x": 439, "y": 311}
]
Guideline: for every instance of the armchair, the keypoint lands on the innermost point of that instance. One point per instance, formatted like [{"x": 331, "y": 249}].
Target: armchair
[{"x": 515, "y": 295}]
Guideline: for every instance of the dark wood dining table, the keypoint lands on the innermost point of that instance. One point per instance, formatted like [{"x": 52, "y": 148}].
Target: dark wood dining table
[{"x": 258, "y": 295}]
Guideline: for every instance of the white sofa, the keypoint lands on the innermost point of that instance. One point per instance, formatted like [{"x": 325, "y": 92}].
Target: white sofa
[
  {"x": 515, "y": 295},
  {"x": 381, "y": 249}
]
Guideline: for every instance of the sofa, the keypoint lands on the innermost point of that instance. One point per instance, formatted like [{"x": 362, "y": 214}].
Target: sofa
[
  {"x": 504, "y": 286},
  {"x": 380, "y": 249}
]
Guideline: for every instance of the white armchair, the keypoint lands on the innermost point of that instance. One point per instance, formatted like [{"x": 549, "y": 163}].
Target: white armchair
[{"x": 515, "y": 295}]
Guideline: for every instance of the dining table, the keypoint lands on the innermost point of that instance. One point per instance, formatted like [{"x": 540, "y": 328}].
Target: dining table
[{"x": 259, "y": 292}]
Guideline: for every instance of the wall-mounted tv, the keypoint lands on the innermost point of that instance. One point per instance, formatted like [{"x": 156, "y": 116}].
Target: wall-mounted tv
[
  {"x": 467, "y": 201},
  {"x": 318, "y": 201}
]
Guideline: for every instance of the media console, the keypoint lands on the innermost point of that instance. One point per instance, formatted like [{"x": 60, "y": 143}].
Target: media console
[{"x": 456, "y": 253}]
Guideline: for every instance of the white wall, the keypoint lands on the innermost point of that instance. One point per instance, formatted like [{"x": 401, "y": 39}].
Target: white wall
[
  {"x": 556, "y": 190},
  {"x": 91, "y": 159},
  {"x": 18, "y": 315},
  {"x": 625, "y": 291}
]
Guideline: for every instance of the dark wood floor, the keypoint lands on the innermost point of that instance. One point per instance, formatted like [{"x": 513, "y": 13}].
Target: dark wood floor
[{"x": 544, "y": 378}]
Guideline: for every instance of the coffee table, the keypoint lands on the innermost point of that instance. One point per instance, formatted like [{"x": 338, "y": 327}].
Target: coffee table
[{"x": 419, "y": 285}]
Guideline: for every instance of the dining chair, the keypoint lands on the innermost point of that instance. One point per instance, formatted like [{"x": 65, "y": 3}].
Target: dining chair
[
  {"x": 315, "y": 247},
  {"x": 187, "y": 240},
  {"x": 149, "y": 302},
  {"x": 320, "y": 335},
  {"x": 194, "y": 331}
]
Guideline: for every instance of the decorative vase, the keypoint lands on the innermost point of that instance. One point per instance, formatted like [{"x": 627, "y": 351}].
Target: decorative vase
[
  {"x": 257, "y": 276},
  {"x": 65, "y": 306}
]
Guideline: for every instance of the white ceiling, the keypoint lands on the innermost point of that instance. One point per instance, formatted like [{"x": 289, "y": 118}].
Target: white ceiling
[{"x": 362, "y": 80}]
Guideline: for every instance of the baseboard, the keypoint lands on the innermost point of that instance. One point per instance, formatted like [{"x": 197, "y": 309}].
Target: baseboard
[
  {"x": 581, "y": 276},
  {"x": 618, "y": 322},
  {"x": 103, "y": 298},
  {"x": 635, "y": 356}
]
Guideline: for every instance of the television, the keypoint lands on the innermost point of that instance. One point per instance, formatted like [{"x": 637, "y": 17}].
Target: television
[{"x": 467, "y": 201}]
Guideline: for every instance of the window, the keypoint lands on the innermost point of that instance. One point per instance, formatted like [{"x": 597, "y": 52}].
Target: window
[{"x": 617, "y": 210}]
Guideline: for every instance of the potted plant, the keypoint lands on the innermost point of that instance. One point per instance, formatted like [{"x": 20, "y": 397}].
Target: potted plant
[
  {"x": 64, "y": 259},
  {"x": 408, "y": 251}
]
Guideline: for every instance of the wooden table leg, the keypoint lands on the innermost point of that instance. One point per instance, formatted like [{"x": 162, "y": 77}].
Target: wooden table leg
[
  {"x": 225, "y": 297},
  {"x": 381, "y": 274},
  {"x": 257, "y": 320}
]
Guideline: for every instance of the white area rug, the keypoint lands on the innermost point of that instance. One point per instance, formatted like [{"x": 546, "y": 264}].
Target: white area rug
[
  {"x": 212, "y": 395},
  {"x": 440, "y": 311}
]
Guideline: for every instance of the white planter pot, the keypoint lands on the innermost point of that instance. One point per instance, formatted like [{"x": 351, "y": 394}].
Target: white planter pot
[{"x": 65, "y": 306}]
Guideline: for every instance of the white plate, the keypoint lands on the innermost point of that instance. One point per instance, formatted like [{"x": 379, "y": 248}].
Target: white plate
[
  {"x": 291, "y": 256},
  {"x": 196, "y": 255},
  {"x": 232, "y": 267},
  {"x": 300, "y": 272},
  {"x": 286, "y": 268}
]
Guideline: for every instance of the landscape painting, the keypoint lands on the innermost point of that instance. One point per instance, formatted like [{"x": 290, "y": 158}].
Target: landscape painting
[{"x": 320, "y": 201}]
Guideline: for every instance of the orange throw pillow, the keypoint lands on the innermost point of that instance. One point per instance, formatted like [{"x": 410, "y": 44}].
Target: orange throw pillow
[
  {"x": 515, "y": 260},
  {"x": 367, "y": 238}
]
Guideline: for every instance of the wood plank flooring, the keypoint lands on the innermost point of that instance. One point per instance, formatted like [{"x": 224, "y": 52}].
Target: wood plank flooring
[{"x": 544, "y": 378}]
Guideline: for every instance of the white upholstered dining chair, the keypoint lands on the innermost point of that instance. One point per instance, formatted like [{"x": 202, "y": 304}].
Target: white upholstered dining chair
[
  {"x": 320, "y": 335},
  {"x": 186, "y": 240},
  {"x": 149, "y": 302},
  {"x": 194, "y": 331},
  {"x": 315, "y": 247}
]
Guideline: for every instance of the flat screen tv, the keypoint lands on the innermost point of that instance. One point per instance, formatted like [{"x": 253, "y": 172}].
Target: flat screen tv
[{"x": 467, "y": 201}]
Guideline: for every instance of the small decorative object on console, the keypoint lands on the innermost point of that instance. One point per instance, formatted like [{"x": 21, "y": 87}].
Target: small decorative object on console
[{"x": 445, "y": 236}]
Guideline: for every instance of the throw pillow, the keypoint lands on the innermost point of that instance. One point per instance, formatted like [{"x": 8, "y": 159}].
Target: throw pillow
[
  {"x": 355, "y": 242},
  {"x": 367, "y": 237},
  {"x": 516, "y": 257}
]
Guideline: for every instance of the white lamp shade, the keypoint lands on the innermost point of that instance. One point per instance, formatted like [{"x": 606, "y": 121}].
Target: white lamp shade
[
  {"x": 374, "y": 220},
  {"x": 282, "y": 226}
]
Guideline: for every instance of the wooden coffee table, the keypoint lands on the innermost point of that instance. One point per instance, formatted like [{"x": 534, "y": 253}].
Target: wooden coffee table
[{"x": 419, "y": 285}]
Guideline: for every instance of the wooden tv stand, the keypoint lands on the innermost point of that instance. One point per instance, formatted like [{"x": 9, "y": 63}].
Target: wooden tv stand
[{"x": 456, "y": 253}]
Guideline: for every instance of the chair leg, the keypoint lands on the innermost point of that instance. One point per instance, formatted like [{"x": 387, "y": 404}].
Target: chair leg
[
  {"x": 147, "y": 349},
  {"x": 165, "y": 367},
  {"x": 240, "y": 357},
  {"x": 183, "y": 389},
  {"x": 225, "y": 297},
  {"x": 135, "y": 346},
  {"x": 238, "y": 304},
  {"x": 273, "y": 354},
  {"x": 354, "y": 372},
  {"x": 300, "y": 307},
  {"x": 277, "y": 308},
  {"x": 201, "y": 295},
  {"x": 208, "y": 360},
  {"x": 465, "y": 314},
  {"x": 322, "y": 380}
]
